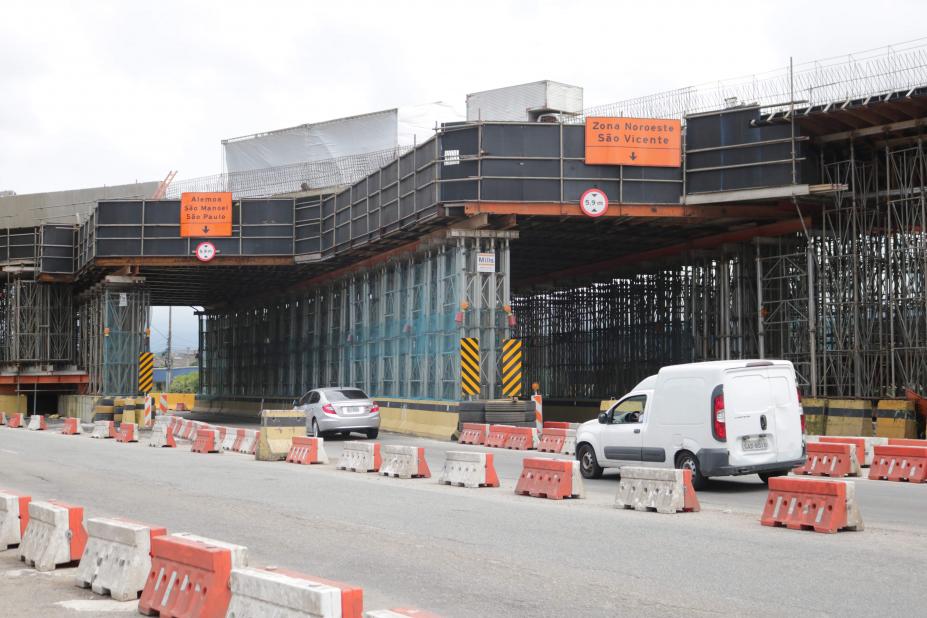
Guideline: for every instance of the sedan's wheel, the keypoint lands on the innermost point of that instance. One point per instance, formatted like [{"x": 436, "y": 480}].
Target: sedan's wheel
[
  {"x": 687, "y": 461},
  {"x": 315, "y": 428},
  {"x": 588, "y": 465}
]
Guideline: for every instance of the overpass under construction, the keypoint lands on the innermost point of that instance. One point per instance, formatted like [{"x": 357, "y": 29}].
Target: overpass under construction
[{"x": 792, "y": 230}]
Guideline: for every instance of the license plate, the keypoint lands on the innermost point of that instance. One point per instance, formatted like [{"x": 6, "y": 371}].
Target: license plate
[
  {"x": 354, "y": 410},
  {"x": 755, "y": 444}
]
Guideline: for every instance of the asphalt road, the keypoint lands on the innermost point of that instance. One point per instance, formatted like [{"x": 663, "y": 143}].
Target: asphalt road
[{"x": 476, "y": 552}]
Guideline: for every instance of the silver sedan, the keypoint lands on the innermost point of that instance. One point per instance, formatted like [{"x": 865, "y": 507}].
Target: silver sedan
[{"x": 339, "y": 410}]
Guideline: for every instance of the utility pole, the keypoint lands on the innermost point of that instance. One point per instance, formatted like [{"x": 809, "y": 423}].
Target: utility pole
[{"x": 170, "y": 356}]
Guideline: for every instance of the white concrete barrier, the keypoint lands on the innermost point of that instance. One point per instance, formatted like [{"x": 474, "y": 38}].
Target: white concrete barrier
[
  {"x": 258, "y": 592},
  {"x": 249, "y": 442},
  {"x": 14, "y": 515},
  {"x": 569, "y": 443},
  {"x": 228, "y": 442},
  {"x": 360, "y": 457},
  {"x": 55, "y": 535},
  {"x": 405, "y": 462},
  {"x": 662, "y": 489},
  {"x": 399, "y": 612},
  {"x": 161, "y": 436},
  {"x": 37, "y": 423},
  {"x": 103, "y": 430},
  {"x": 117, "y": 558},
  {"x": 466, "y": 469}
]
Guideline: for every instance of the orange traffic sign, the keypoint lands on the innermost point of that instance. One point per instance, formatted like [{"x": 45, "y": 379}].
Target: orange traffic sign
[
  {"x": 650, "y": 142},
  {"x": 205, "y": 214}
]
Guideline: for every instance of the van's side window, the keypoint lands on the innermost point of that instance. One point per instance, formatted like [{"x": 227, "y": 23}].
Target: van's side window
[{"x": 630, "y": 410}]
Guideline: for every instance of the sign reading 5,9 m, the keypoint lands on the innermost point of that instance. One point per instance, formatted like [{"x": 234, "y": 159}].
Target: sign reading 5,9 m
[
  {"x": 649, "y": 142},
  {"x": 205, "y": 215}
]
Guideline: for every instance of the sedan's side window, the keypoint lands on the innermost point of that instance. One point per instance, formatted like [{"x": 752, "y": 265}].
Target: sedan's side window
[
  {"x": 314, "y": 397},
  {"x": 630, "y": 410}
]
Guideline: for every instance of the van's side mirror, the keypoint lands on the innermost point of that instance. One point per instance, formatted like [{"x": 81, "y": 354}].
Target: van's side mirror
[
  {"x": 295, "y": 403},
  {"x": 603, "y": 417}
]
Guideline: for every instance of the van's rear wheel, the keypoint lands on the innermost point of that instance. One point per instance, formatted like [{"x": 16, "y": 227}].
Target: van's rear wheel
[
  {"x": 765, "y": 476},
  {"x": 687, "y": 461},
  {"x": 588, "y": 465}
]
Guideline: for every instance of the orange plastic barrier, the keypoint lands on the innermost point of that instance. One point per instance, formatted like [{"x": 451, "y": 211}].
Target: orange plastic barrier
[
  {"x": 187, "y": 579},
  {"x": 15, "y": 421},
  {"x": 552, "y": 439},
  {"x": 128, "y": 432},
  {"x": 206, "y": 441},
  {"x": 554, "y": 479},
  {"x": 307, "y": 451},
  {"x": 830, "y": 459},
  {"x": 859, "y": 443},
  {"x": 71, "y": 427},
  {"x": 2, "y": 418},
  {"x": 556, "y": 425},
  {"x": 497, "y": 435},
  {"x": 811, "y": 504},
  {"x": 473, "y": 433},
  {"x": 899, "y": 463},
  {"x": 521, "y": 438}
]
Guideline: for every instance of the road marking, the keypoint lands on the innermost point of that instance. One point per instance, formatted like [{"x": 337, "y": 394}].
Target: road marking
[{"x": 6, "y": 450}]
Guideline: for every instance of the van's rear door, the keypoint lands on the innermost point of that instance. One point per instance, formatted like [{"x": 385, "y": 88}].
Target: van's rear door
[{"x": 763, "y": 414}]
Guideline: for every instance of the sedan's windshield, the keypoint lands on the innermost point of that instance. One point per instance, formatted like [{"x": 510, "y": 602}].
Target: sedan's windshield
[{"x": 345, "y": 395}]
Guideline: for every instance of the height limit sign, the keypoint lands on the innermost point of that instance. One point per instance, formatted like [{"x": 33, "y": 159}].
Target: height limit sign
[{"x": 205, "y": 215}]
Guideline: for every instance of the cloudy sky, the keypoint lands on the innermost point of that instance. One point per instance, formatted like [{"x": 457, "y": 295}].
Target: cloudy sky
[{"x": 97, "y": 92}]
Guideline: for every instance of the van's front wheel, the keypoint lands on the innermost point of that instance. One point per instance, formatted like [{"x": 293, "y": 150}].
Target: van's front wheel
[
  {"x": 588, "y": 465},
  {"x": 687, "y": 461}
]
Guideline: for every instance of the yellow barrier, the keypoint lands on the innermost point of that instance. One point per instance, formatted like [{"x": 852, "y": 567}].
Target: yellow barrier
[
  {"x": 425, "y": 423},
  {"x": 278, "y": 427},
  {"x": 187, "y": 399},
  {"x": 896, "y": 418}
]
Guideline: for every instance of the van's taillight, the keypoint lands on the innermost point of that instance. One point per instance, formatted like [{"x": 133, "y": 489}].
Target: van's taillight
[
  {"x": 718, "y": 425},
  {"x": 801, "y": 411},
  {"x": 328, "y": 409}
]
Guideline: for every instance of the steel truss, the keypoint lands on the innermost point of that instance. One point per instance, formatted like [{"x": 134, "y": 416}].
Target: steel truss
[
  {"x": 37, "y": 323},
  {"x": 392, "y": 329}
]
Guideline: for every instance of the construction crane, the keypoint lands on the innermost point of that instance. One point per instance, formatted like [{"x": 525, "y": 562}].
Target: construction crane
[{"x": 161, "y": 191}]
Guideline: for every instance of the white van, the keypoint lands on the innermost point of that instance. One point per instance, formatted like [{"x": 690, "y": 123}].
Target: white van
[{"x": 719, "y": 418}]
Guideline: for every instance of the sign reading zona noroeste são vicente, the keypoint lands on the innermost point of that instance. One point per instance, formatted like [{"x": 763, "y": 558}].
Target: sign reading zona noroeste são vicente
[{"x": 650, "y": 142}]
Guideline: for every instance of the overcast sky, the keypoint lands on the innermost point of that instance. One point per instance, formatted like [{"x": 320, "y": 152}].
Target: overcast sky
[{"x": 96, "y": 93}]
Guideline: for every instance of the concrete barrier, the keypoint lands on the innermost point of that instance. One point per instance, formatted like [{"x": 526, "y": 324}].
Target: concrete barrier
[
  {"x": 307, "y": 451},
  {"x": 15, "y": 421},
  {"x": 406, "y": 417},
  {"x": 468, "y": 469},
  {"x": 117, "y": 558},
  {"x": 812, "y": 504},
  {"x": 284, "y": 594},
  {"x": 521, "y": 438},
  {"x": 405, "y": 462},
  {"x": 190, "y": 576},
  {"x": 103, "y": 430},
  {"x": 128, "y": 432},
  {"x": 360, "y": 457},
  {"x": 557, "y": 440},
  {"x": 834, "y": 459},
  {"x": 473, "y": 433},
  {"x": 207, "y": 441},
  {"x": 228, "y": 442},
  {"x": 899, "y": 463},
  {"x": 14, "y": 516},
  {"x": 553, "y": 479},
  {"x": 863, "y": 446},
  {"x": 37, "y": 423},
  {"x": 71, "y": 427},
  {"x": 497, "y": 436},
  {"x": 2, "y": 418},
  {"x": 896, "y": 418},
  {"x": 278, "y": 428},
  {"x": 663, "y": 490},
  {"x": 248, "y": 442},
  {"x": 55, "y": 535}
]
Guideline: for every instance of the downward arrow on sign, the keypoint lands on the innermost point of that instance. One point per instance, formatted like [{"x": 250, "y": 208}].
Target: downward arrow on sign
[
  {"x": 205, "y": 229},
  {"x": 633, "y": 156}
]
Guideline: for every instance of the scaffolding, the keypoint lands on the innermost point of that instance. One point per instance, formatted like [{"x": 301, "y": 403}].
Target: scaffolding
[
  {"x": 391, "y": 329},
  {"x": 37, "y": 323},
  {"x": 112, "y": 332}
]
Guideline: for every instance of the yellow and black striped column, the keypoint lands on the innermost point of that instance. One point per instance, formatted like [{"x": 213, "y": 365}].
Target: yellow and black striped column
[
  {"x": 145, "y": 372},
  {"x": 470, "y": 366},
  {"x": 511, "y": 368}
]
